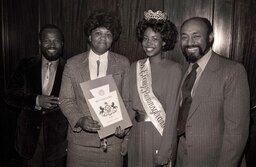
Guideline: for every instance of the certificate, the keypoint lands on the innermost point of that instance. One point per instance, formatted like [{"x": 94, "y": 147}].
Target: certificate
[{"x": 106, "y": 105}]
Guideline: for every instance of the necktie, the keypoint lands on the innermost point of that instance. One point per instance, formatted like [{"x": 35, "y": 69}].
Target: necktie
[
  {"x": 45, "y": 88},
  {"x": 98, "y": 67},
  {"x": 187, "y": 99}
]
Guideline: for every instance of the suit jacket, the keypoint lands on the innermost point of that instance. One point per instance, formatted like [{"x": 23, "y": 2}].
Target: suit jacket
[
  {"x": 218, "y": 119},
  {"x": 73, "y": 103},
  {"x": 23, "y": 88}
]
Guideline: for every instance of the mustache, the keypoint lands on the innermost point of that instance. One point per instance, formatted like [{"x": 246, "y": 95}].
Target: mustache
[
  {"x": 192, "y": 46},
  {"x": 52, "y": 48}
]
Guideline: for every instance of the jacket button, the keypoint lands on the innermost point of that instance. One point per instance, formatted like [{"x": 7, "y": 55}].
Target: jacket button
[
  {"x": 43, "y": 112},
  {"x": 38, "y": 127}
]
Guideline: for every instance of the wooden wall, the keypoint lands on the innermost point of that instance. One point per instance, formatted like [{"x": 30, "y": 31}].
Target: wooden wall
[
  {"x": 233, "y": 21},
  {"x": 22, "y": 19}
]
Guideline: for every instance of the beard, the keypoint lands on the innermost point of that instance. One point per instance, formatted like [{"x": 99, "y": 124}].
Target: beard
[
  {"x": 51, "y": 56},
  {"x": 192, "y": 57}
]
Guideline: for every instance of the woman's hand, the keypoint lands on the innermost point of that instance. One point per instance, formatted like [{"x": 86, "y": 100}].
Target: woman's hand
[
  {"x": 120, "y": 132},
  {"x": 124, "y": 147},
  {"x": 88, "y": 124}
]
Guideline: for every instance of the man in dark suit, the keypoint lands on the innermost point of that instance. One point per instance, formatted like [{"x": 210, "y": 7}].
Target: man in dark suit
[
  {"x": 214, "y": 109},
  {"x": 34, "y": 88}
]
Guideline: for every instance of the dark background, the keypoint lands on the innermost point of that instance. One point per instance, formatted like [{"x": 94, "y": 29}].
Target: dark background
[{"x": 233, "y": 21}]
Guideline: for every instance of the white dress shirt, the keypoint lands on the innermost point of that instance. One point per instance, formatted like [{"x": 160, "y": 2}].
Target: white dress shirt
[{"x": 93, "y": 58}]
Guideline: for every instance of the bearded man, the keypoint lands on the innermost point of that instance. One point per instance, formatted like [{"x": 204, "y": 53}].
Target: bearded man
[
  {"x": 213, "y": 121},
  {"x": 34, "y": 88}
]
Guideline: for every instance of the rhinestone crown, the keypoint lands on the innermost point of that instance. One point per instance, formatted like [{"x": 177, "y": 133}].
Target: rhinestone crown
[{"x": 158, "y": 15}]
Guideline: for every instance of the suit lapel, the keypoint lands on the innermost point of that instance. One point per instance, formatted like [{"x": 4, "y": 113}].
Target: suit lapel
[
  {"x": 111, "y": 63},
  {"x": 58, "y": 77},
  {"x": 83, "y": 67},
  {"x": 208, "y": 77}
]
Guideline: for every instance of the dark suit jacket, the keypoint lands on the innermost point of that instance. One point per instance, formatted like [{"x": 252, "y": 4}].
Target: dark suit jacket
[
  {"x": 22, "y": 90},
  {"x": 73, "y": 103},
  {"x": 218, "y": 120}
]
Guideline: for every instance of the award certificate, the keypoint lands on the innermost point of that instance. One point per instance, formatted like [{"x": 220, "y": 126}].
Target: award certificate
[{"x": 106, "y": 105}]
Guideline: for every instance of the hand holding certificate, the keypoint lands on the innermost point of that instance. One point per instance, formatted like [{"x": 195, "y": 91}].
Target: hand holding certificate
[
  {"x": 106, "y": 105},
  {"x": 88, "y": 124}
]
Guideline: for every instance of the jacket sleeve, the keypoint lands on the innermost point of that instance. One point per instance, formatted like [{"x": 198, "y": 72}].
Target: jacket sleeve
[
  {"x": 125, "y": 84},
  {"x": 17, "y": 94},
  {"x": 236, "y": 117},
  {"x": 169, "y": 139},
  {"x": 68, "y": 100}
]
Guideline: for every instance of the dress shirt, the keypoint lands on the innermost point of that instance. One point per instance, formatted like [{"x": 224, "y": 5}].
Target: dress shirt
[
  {"x": 52, "y": 73},
  {"x": 202, "y": 64},
  {"x": 53, "y": 67},
  {"x": 93, "y": 58}
]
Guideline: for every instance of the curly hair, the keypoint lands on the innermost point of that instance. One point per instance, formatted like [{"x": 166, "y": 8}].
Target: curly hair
[
  {"x": 101, "y": 18},
  {"x": 166, "y": 28}
]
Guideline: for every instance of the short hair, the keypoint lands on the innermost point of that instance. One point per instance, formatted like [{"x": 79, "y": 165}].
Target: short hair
[
  {"x": 50, "y": 26},
  {"x": 202, "y": 19},
  {"x": 102, "y": 18},
  {"x": 166, "y": 28}
]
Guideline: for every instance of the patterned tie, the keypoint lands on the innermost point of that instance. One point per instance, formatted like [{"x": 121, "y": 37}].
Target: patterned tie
[
  {"x": 98, "y": 67},
  {"x": 187, "y": 99},
  {"x": 45, "y": 88}
]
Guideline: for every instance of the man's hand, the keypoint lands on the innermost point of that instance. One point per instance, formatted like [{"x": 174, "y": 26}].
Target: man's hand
[
  {"x": 88, "y": 124},
  {"x": 48, "y": 102},
  {"x": 160, "y": 160}
]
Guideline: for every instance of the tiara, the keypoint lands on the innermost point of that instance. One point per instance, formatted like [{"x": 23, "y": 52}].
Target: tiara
[{"x": 158, "y": 15}]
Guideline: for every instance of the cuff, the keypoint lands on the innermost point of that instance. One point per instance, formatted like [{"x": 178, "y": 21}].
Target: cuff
[{"x": 37, "y": 107}]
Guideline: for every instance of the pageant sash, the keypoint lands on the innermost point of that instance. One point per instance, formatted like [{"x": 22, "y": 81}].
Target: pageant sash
[{"x": 152, "y": 106}]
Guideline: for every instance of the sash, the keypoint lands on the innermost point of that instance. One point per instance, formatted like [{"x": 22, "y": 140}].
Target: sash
[{"x": 152, "y": 106}]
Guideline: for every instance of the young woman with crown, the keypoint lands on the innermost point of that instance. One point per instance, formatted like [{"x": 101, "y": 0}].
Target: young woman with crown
[{"x": 154, "y": 87}]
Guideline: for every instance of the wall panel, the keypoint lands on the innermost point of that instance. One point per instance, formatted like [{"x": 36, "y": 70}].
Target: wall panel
[
  {"x": 248, "y": 50},
  {"x": 233, "y": 20},
  {"x": 70, "y": 17},
  {"x": 19, "y": 39},
  {"x": 222, "y": 25},
  {"x": 241, "y": 18},
  {"x": 20, "y": 27}
]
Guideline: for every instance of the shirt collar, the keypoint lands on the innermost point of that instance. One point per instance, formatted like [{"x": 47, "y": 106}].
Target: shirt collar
[
  {"x": 204, "y": 60},
  {"x": 95, "y": 57},
  {"x": 45, "y": 62}
]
